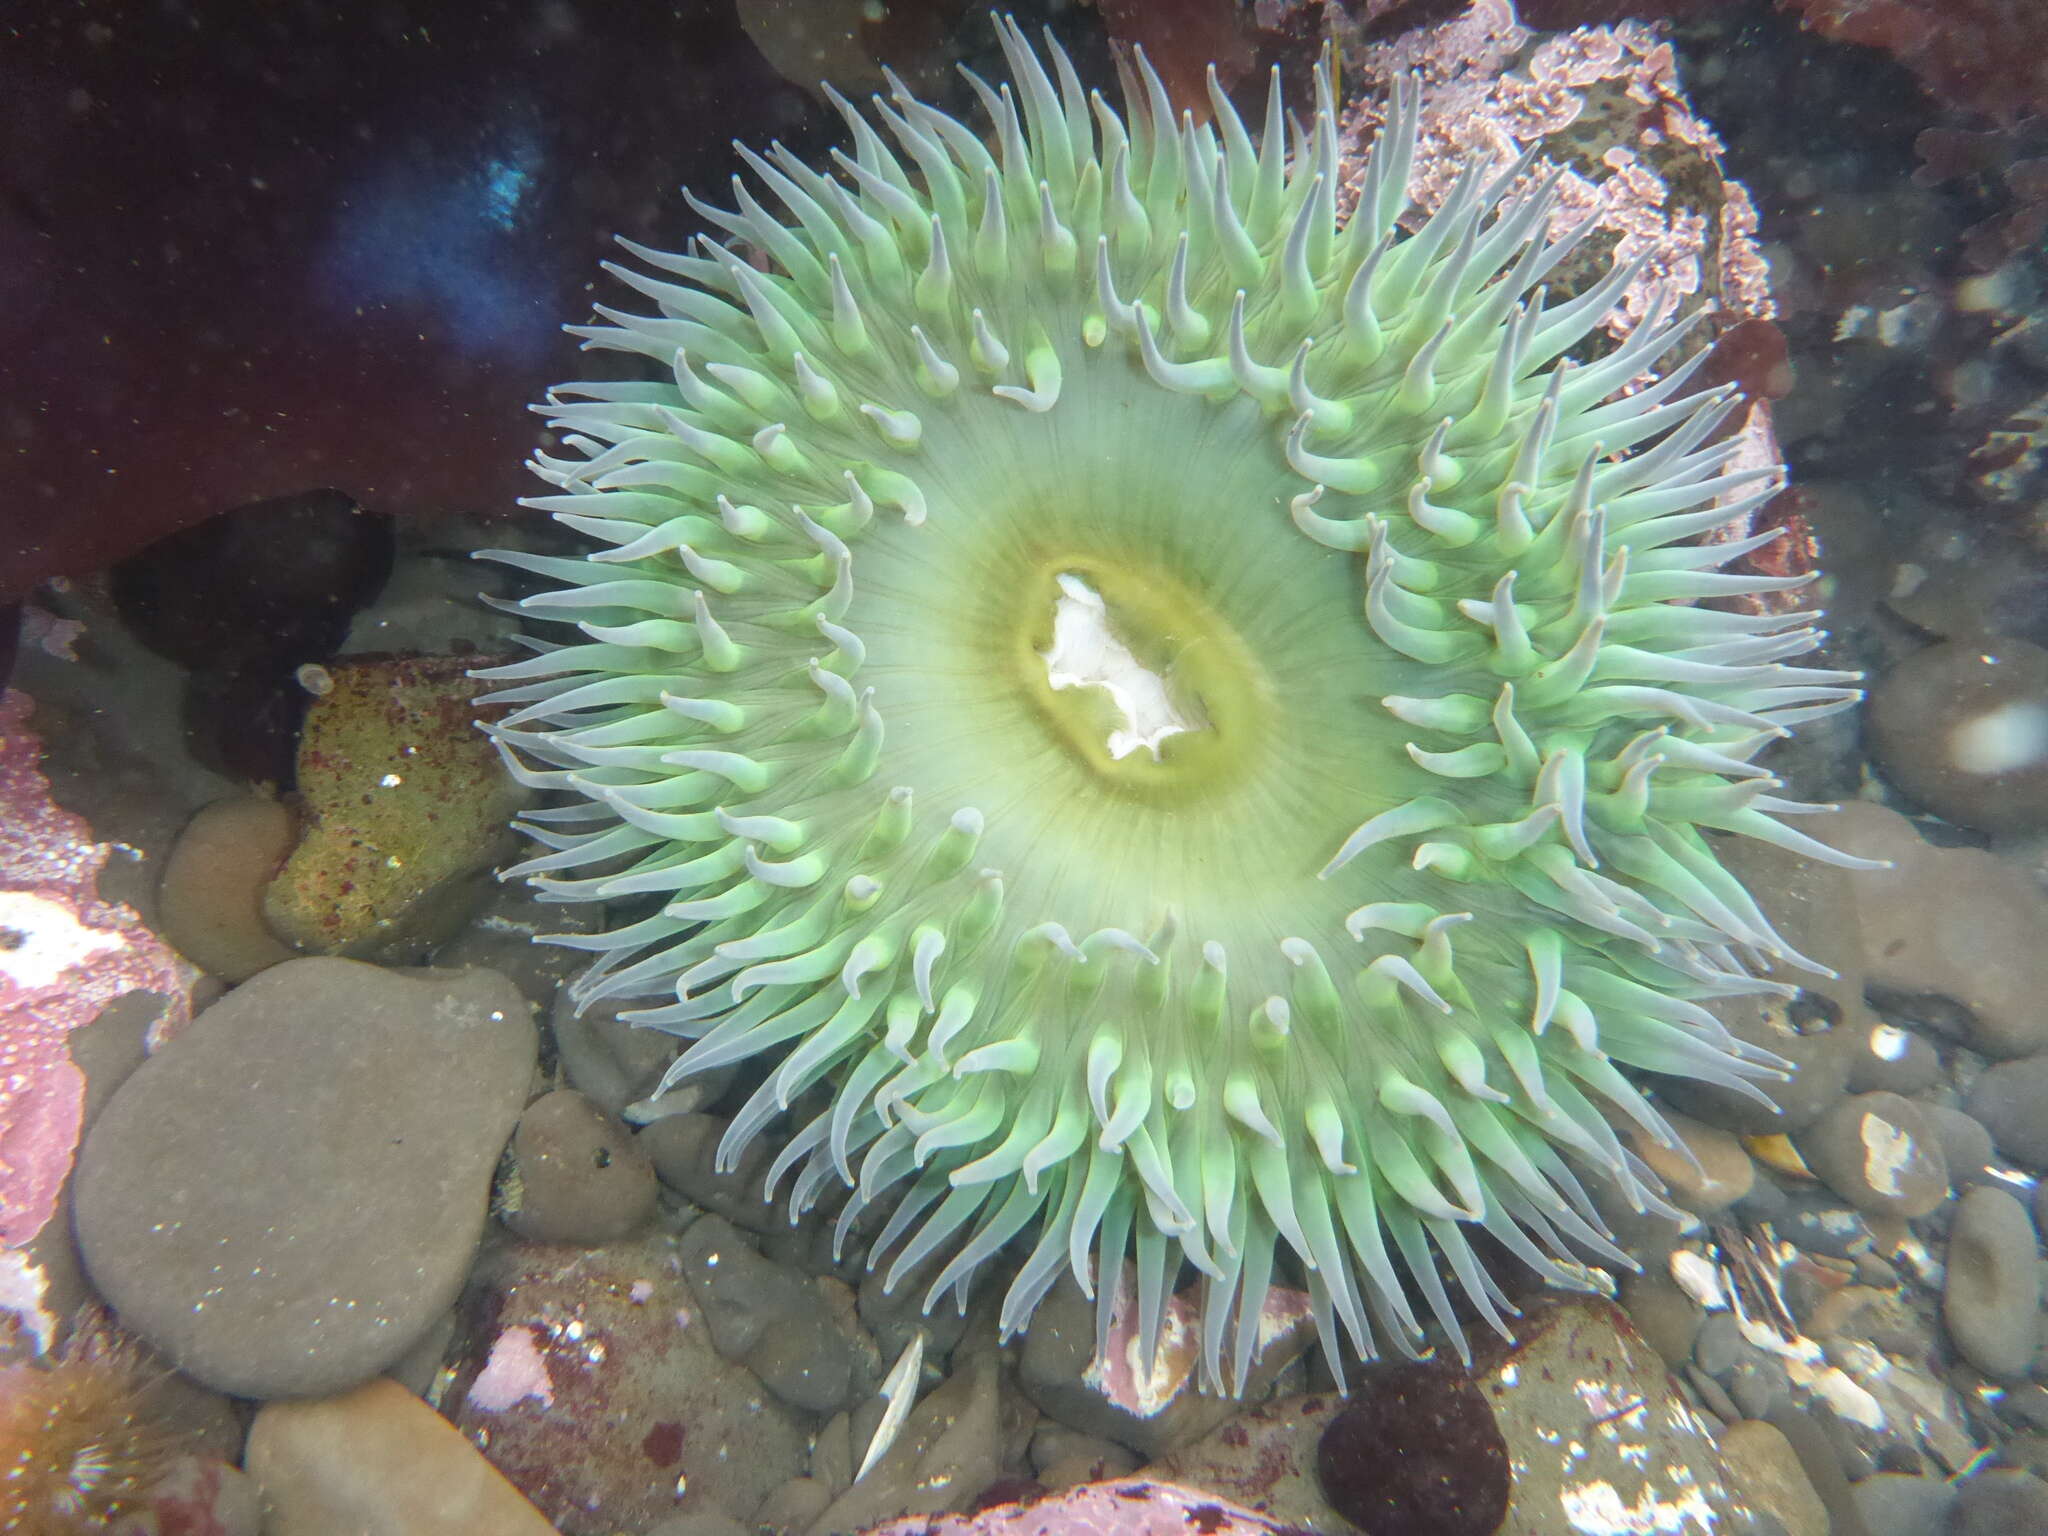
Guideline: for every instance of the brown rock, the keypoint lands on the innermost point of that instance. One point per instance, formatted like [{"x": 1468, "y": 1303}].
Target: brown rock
[
  {"x": 1962, "y": 727},
  {"x": 1716, "y": 1174},
  {"x": 211, "y": 901},
  {"x": 1879, "y": 1153},
  {"x": 577, "y": 1174},
  {"x": 1764, "y": 1470},
  {"x": 378, "y": 1459},
  {"x": 1958, "y": 924},
  {"x": 602, "y": 1398}
]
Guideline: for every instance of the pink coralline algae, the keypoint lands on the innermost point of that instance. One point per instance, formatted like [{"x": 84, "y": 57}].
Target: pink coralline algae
[
  {"x": 1604, "y": 109},
  {"x": 1133, "y": 1507},
  {"x": 65, "y": 954}
]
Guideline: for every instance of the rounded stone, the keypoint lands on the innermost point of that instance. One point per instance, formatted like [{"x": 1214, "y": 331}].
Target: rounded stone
[
  {"x": 1418, "y": 1451},
  {"x": 288, "y": 1193},
  {"x": 761, "y": 1316},
  {"x": 578, "y": 1176},
  {"x": 1901, "y": 1504},
  {"x": 2010, "y": 1101},
  {"x": 1763, "y": 1467},
  {"x": 1668, "y": 1319},
  {"x": 1965, "y": 1144},
  {"x": 1893, "y": 1060},
  {"x": 1708, "y": 1171},
  {"x": 791, "y": 1507},
  {"x": 1878, "y": 1152},
  {"x": 1999, "y": 1502},
  {"x": 211, "y": 901},
  {"x": 1950, "y": 933},
  {"x": 1962, "y": 727},
  {"x": 1991, "y": 1298},
  {"x": 378, "y": 1459}
]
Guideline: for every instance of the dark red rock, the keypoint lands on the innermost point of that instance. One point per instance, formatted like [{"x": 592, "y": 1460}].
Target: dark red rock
[
  {"x": 1418, "y": 1452},
  {"x": 276, "y": 580},
  {"x": 246, "y": 251}
]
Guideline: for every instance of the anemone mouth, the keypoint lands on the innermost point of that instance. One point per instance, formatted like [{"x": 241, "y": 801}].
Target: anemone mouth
[{"x": 1172, "y": 727}]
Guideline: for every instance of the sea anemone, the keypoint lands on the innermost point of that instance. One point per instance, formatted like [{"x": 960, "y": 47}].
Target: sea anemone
[
  {"x": 83, "y": 1441},
  {"x": 1171, "y": 727}
]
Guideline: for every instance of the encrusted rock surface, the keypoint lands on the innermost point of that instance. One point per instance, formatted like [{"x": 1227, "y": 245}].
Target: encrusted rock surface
[{"x": 406, "y": 808}]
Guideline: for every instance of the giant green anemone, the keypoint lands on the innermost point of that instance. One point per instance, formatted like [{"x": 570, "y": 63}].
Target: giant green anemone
[{"x": 1170, "y": 728}]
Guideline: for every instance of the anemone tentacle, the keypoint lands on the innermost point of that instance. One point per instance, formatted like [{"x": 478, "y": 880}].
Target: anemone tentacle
[{"x": 1176, "y": 731}]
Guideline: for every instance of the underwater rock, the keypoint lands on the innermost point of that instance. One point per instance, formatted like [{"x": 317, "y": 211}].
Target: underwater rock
[
  {"x": 1114, "y": 1396},
  {"x": 275, "y": 582},
  {"x": 1763, "y": 1465},
  {"x": 1999, "y": 1502},
  {"x": 577, "y": 1175},
  {"x": 1132, "y": 1507},
  {"x": 1419, "y": 1449},
  {"x": 1879, "y": 1153},
  {"x": 211, "y": 899},
  {"x": 1958, "y": 924},
  {"x": 2010, "y": 1100},
  {"x": 378, "y": 1459},
  {"x": 1962, "y": 728},
  {"x": 285, "y": 1196},
  {"x": 1706, "y": 1172},
  {"x": 765, "y": 1318},
  {"x": 1991, "y": 1299},
  {"x": 405, "y": 809},
  {"x": 592, "y": 1381}
]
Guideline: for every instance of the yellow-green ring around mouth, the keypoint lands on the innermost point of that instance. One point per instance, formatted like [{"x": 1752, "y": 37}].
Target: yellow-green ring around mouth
[{"x": 1208, "y": 671}]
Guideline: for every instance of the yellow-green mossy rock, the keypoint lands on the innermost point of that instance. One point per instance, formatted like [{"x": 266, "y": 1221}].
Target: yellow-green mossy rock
[{"x": 405, "y": 807}]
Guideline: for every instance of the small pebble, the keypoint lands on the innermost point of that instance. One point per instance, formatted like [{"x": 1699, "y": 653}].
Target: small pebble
[
  {"x": 1821, "y": 1224},
  {"x": 1878, "y": 1152},
  {"x": 2010, "y": 1100},
  {"x": 1716, "y": 1174},
  {"x": 1667, "y": 1318},
  {"x": 684, "y": 1149},
  {"x": 1991, "y": 1300},
  {"x": 767, "y": 1319},
  {"x": 577, "y": 1176}
]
